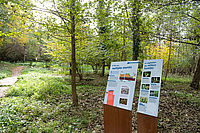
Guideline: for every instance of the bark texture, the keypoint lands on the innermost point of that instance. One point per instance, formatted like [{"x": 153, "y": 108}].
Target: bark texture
[{"x": 196, "y": 77}]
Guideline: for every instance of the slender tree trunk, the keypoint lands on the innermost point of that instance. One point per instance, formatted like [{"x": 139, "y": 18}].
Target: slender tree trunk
[
  {"x": 31, "y": 62},
  {"x": 124, "y": 43},
  {"x": 70, "y": 69},
  {"x": 194, "y": 54},
  {"x": 135, "y": 48},
  {"x": 96, "y": 69},
  {"x": 135, "y": 29},
  {"x": 196, "y": 77},
  {"x": 25, "y": 52},
  {"x": 103, "y": 68},
  {"x": 169, "y": 57},
  {"x": 80, "y": 75},
  {"x": 73, "y": 57}
]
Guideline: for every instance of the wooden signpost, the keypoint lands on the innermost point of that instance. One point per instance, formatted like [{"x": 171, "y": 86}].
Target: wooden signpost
[
  {"x": 119, "y": 97},
  {"x": 146, "y": 123},
  {"x": 117, "y": 120},
  {"x": 149, "y": 96}
]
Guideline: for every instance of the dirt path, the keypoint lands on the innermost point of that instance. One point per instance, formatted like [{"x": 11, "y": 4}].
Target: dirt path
[
  {"x": 6, "y": 82},
  {"x": 17, "y": 71}
]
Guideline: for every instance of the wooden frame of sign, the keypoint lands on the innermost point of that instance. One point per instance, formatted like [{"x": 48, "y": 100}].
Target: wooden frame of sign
[
  {"x": 147, "y": 123},
  {"x": 117, "y": 120}
]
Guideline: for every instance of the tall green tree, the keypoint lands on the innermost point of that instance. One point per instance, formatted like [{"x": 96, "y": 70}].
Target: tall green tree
[
  {"x": 103, "y": 16},
  {"x": 62, "y": 25},
  {"x": 135, "y": 27}
]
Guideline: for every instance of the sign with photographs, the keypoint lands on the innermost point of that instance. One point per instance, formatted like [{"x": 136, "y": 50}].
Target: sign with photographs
[
  {"x": 150, "y": 87},
  {"x": 121, "y": 84}
]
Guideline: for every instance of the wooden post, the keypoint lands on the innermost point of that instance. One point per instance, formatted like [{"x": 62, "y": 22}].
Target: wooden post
[
  {"x": 117, "y": 120},
  {"x": 147, "y": 123}
]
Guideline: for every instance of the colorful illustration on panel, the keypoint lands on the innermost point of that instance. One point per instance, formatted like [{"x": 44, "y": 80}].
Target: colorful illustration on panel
[{"x": 127, "y": 76}]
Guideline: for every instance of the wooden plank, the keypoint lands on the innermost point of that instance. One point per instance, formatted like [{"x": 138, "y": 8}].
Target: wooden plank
[
  {"x": 125, "y": 121},
  {"x": 146, "y": 123},
  {"x": 110, "y": 119},
  {"x": 117, "y": 120}
]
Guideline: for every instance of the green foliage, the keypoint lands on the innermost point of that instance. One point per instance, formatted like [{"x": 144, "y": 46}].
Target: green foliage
[
  {"x": 5, "y": 69},
  {"x": 4, "y": 73},
  {"x": 41, "y": 102},
  {"x": 178, "y": 79},
  {"x": 17, "y": 113},
  {"x": 191, "y": 98},
  {"x": 40, "y": 84},
  {"x": 36, "y": 64}
]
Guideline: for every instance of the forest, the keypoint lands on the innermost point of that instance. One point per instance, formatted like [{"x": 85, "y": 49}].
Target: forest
[{"x": 55, "y": 58}]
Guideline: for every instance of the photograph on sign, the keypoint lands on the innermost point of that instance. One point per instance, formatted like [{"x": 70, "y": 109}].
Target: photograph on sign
[
  {"x": 125, "y": 90},
  {"x": 145, "y": 86},
  {"x": 123, "y": 101},
  {"x": 144, "y": 99},
  {"x": 155, "y": 79},
  {"x": 154, "y": 93},
  {"x": 147, "y": 74},
  {"x": 150, "y": 87},
  {"x": 121, "y": 84}
]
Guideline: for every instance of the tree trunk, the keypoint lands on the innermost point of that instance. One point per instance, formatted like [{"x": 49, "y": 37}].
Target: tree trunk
[
  {"x": 196, "y": 77},
  {"x": 25, "y": 53},
  {"x": 124, "y": 43},
  {"x": 135, "y": 29},
  {"x": 73, "y": 57},
  {"x": 194, "y": 55},
  {"x": 135, "y": 48},
  {"x": 80, "y": 73},
  {"x": 169, "y": 57},
  {"x": 96, "y": 69},
  {"x": 31, "y": 62},
  {"x": 103, "y": 68},
  {"x": 70, "y": 69}
]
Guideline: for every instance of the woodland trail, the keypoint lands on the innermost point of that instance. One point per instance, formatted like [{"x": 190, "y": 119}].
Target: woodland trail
[{"x": 6, "y": 82}]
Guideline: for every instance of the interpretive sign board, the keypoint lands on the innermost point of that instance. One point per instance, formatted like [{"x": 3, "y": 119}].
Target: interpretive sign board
[
  {"x": 121, "y": 84},
  {"x": 150, "y": 87}
]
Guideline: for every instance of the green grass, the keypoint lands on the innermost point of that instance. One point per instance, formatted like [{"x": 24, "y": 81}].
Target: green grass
[
  {"x": 179, "y": 86},
  {"x": 40, "y": 84},
  {"x": 5, "y": 69},
  {"x": 34, "y": 63},
  {"x": 178, "y": 79},
  {"x": 41, "y": 102},
  {"x": 188, "y": 97}
]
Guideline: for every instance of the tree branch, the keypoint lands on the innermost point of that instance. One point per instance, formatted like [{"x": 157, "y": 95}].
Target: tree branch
[
  {"x": 57, "y": 13},
  {"x": 129, "y": 22},
  {"x": 64, "y": 40},
  {"x": 191, "y": 16},
  {"x": 170, "y": 4},
  {"x": 179, "y": 41}
]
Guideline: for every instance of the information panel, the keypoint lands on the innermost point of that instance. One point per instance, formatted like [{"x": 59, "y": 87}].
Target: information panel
[
  {"x": 150, "y": 87},
  {"x": 121, "y": 84}
]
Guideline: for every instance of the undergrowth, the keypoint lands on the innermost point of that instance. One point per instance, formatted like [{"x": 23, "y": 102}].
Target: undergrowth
[
  {"x": 5, "y": 69},
  {"x": 41, "y": 102}
]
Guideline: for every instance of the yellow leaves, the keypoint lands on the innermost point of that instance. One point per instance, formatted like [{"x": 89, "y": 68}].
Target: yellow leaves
[
  {"x": 159, "y": 51},
  {"x": 58, "y": 51},
  {"x": 9, "y": 25}
]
